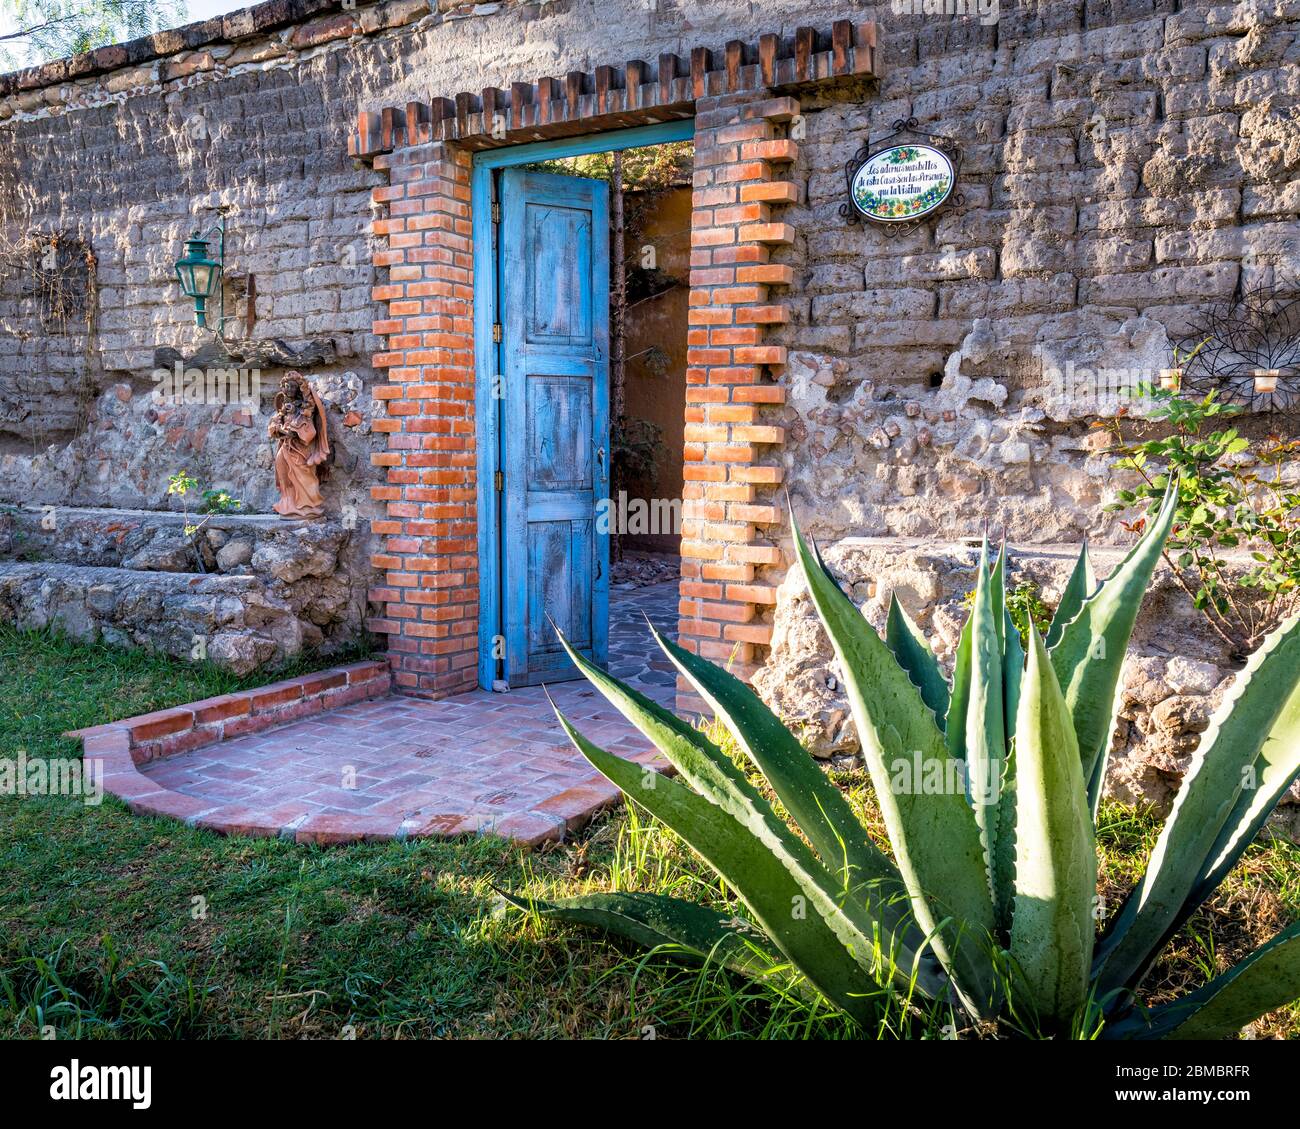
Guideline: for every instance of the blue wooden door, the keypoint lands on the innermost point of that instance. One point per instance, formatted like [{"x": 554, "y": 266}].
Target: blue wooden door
[{"x": 554, "y": 424}]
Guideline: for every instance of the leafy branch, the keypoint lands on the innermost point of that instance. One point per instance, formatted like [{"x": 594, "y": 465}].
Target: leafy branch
[
  {"x": 55, "y": 29},
  {"x": 1224, "y": 504}
]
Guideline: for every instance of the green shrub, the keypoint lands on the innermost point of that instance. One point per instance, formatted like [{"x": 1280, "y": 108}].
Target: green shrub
[{"x": 1223, "y": 504}]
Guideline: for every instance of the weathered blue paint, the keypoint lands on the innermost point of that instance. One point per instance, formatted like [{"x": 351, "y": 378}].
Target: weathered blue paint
[
  {"x": 486, "y": 357},
  {"x": 554, "y": 269},
  {"x": 488, "y": 364}
]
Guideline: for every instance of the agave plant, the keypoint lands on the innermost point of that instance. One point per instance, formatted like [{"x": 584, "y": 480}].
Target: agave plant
[{"x": 988, "y": 789}]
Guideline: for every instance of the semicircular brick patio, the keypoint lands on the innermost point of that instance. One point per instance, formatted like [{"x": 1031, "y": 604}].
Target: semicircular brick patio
[{"x": 336, "y": 757}]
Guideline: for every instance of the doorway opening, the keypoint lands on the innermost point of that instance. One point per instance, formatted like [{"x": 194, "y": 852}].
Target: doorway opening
[{"x": 581, "y": 336}]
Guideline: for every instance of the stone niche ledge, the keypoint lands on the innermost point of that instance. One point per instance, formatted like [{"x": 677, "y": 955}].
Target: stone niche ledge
[
  {"x": 155, "y": 541},
  {"x": 1175, "y": 674},
  {"x": 252, "y": 592}
]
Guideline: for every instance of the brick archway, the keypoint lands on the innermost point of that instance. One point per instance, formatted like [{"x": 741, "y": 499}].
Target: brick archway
[{"x": 743, "y": 152}]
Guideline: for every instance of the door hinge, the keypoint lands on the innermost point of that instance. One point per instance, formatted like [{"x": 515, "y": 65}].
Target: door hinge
[
  {"x": 496, "y": 332},
  {"x": 496, "y": 211},
  {"x": 499, "y": 480}
]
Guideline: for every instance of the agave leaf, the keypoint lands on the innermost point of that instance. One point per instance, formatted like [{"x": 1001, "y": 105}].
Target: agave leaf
[
  {"x": 792, "y": 907},
  {"x": 1013, "y": 671},
  {"x": 1081, "y": 585},
  {"x": 914, "y": 655},
  {"x": 986, "y": 734},
  {"x": 998, "y": 590},
  {"x": 1274, "y": 770},
  {"x": 721, "y": 782},
  {"x": 1056, "y": 860},
  {"x": 874, "y": 903},
  {"x": 699, "y": 760},
  {"x": 695, "y": 932},
  {"x": 1245, "y": 760},
  {"x": 1267, "y": 979},
  {"x": 932, "y": 829},
  {"x": 1090, "y": 654},
  {"x": 816, "y": 805},
  {"x": 954, "y": 728},
  {"x": 1004, "y": 856}
]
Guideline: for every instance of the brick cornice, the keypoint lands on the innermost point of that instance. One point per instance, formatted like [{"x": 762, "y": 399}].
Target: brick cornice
[{"x": 609, "y": 97}]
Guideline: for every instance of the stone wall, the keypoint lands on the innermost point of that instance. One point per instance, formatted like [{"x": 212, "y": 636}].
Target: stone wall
[
  {"x": 1174, "y": 676},
  {"x": 121, "y": 153},
  {"x": 130, "y": 162},
  {"x": 1126, "y": 164}
]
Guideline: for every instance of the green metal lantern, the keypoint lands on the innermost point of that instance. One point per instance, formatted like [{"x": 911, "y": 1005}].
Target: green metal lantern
[{"x": 199, "y": 275}]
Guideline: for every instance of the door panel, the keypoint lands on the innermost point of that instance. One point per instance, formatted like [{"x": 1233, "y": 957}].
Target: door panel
[
  {"x": 559, "y": 433},
  {"x": 554, "y": 426},
  {"x": 559, "y": 274}
]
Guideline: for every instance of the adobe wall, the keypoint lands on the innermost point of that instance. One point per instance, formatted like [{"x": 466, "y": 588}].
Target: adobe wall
[
  {"x": 1099, "y": 213},
  {"x": 1126, "y": 162},
  {"x": 248, "y": 114}
]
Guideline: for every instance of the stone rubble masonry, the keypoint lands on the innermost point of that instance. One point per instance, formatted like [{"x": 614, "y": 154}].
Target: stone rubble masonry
[
  {"x": 266, "y": 589},
  {"x": 1124, "y": 166},
  {"x": 429, "y": 548}
]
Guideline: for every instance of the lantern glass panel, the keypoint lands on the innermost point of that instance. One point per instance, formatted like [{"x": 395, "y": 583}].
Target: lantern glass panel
[{"x": 201, "y": 279}]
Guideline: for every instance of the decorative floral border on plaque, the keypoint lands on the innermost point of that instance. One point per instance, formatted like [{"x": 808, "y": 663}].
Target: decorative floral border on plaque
[{"x": 947, "y": 194}]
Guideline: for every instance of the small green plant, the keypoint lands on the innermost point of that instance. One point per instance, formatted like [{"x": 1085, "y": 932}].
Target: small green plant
[
  {"x": 1222, "y": 505},
  {"x": 1182, "y": 360},
  {"x": 182, "y": 484},
  {"x": 219, "y": 502},
  {"x": 988, "y": 789},
  {"x": 11, "y": 538},
  {"x": 1025, "y": 606}
]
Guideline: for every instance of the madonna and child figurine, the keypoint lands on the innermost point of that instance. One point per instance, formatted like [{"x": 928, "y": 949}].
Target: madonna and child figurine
[{"x": 302, "y": 447}]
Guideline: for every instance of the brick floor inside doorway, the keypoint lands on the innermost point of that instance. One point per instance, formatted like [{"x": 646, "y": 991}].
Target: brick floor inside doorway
[{"x": 396, "y": 767}]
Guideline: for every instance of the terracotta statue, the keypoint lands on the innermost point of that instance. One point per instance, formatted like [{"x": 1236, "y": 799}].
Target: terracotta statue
[{"x": 302, "y": 447}]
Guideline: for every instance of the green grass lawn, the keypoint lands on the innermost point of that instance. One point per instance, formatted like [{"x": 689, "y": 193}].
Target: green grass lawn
[{"x": 115, "y": 925}]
